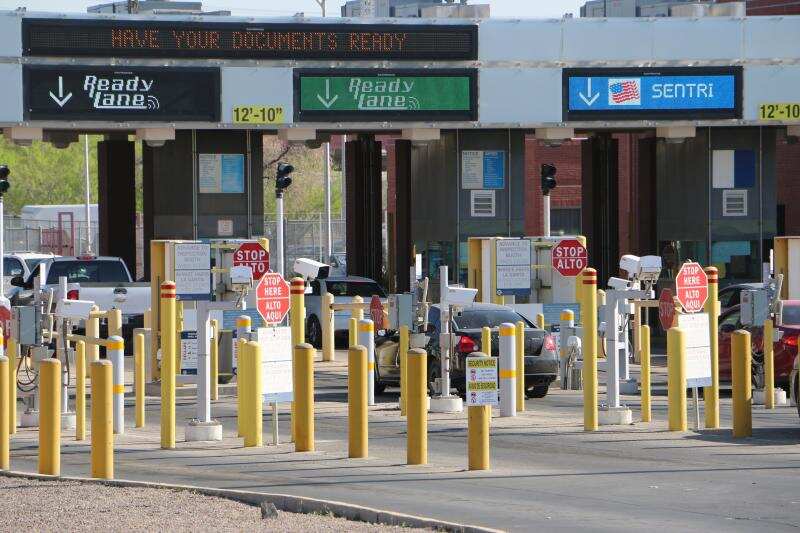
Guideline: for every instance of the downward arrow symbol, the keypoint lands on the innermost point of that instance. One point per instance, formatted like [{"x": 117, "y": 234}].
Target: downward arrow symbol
[
  {"x": 60, "y": 99},
  {"x": 589, "y": 99},
  {"x": 327, "y": 101}
]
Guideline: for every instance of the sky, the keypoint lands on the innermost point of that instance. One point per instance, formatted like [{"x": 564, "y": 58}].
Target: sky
[{"x": 277, "y": 8}]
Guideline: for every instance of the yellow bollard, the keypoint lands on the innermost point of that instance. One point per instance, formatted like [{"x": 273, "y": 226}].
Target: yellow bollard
[
  {"x": 254, "y": 432},
  {"x": 138, "y": 377},
  {"x": 404, "y": 345},
  {"x": 588, "y": 280},
  {"x": 478, "y": 418},
  {"x": 769, "y": 366},
  {"x": 114, "y": 323},
  {"x": 741, "y": 378},
  {"x": 11, "y": 352},
  {"x": 327, "y": 327},
  {"x": 676, "y": 379},
  {"x": 540, "y": 321},
  {"x": 102, "y": 420},
  {"x": 242, "y": 383},
  {"x": 358, "y": 314},
  {"x": 304, "y": 397},
  {"x": 711, "y": 394},
  {"x": 519, "y": 351},
  {"x": 92, "y": 330},
  {"x": 50, "y": 417},
  {"x": 214, "y": 359},
  {"x": 178, "y": 329},
  {"x": 298, "y": 322},
  {"x": 167, "y": 312},
  {"x": 5, "y": 444},
  {"x": 352, "y": 332},
  {"x": 357, "y": 414},
  {"x": 486, "y": 340},
  {"x": 416, "y": 409},
  {"x": 80, "y": 390},
  {"x": 644, "y": 337}
]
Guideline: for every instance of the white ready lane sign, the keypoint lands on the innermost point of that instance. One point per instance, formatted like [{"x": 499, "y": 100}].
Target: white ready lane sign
[{"x": 482, "y": 386}]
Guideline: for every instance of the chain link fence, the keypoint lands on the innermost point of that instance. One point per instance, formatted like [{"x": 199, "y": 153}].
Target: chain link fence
[{"x": 306, "y": 237}]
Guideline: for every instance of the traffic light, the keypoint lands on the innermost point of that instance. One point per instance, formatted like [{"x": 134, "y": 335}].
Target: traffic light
[
  {"x": 282, "y": 178},
  {"x": 4, "y": 184},
  {"x": 548, "y": 178}
]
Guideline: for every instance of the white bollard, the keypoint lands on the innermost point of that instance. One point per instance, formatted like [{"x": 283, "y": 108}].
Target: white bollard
[
  {"x": 115, "y": 352},
  {"x": 366, "y": 338},
  {"x": 508, "y": 374}
]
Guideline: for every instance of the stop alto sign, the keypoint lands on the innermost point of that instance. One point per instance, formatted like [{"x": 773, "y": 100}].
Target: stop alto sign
[
  {"x": 253, "y": 255},
  {"x": 272, "y": 298},
  {"x": 666, "y": 309},
  {"x": 569, "y": 257},
  {"x": 691, "y": 285}
]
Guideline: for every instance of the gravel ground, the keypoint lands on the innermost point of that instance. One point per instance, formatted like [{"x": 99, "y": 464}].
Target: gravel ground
[{"x": 31, "y": 505}]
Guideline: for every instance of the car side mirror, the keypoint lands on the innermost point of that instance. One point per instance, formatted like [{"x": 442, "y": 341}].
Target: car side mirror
[
  {"x": 727, "y": 328},
  {"x": 18, "y": 281}
]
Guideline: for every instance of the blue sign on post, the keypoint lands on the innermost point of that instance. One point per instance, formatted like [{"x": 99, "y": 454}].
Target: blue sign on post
[
  {"x": 494, "y": 169},
  {"x": 652, "y": 93}
]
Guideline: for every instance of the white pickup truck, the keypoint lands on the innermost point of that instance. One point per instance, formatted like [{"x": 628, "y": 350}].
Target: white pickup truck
[{"x": 103, "y": 280}]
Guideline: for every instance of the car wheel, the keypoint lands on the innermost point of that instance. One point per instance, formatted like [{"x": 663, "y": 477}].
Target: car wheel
[
  {"x": 540, "y": 391},
  {"x": 314, "y": 332},
  {"x": 380, "y": 386}
]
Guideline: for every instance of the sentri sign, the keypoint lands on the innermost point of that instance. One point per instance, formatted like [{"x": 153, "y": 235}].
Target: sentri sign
[
  {"x": 652, "y": 93},
  {"x": 402, "y": 95}
]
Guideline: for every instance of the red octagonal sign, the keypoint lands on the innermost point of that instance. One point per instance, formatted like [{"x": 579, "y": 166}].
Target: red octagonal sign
[
  {"x": 691, "y": 284},
  {"x": 570, "y": 257},
  {"x": 666, "y": 309},
  {"x": 272, "y": 298},
  {"x": 253, "y": 255}
]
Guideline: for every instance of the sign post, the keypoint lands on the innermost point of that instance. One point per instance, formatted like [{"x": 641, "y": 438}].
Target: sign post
[
  {"x": 569, "y": 257},
  {"x": 272, "y": 298},
  {"x": 253, "y": 255}
]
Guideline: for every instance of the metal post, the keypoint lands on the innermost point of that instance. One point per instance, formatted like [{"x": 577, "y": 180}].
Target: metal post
[
  {"x": 50, "y": 417},
  {"x": 417, "y": 419},
  {"x": 613, "y": 315},
  {"x": 279, "y": 232},
  {"x": 644, "y": 337},
  {"x": 741, "y": 382},
  {"x": 711, "y": 394},
  {"x": 215, "y": 359},
  {"x": 508, "y": 373},
  {"x": 5, "y": 456},
  {"x": 769, "y": 365},
  {"x": 116, "y": 354},
  {"x": 366, "y": 338},
  {"x": 357, "y": 413},
  {"x": 12, "y": 350},
  {"x": 138, "y": 377},
  {"x": 304, "y": 397},
  {"x": 203, "y": 366},
  {"x": 88, "y": 249},
  {"x": 404, "y": 346},
  {"x": 254, "y": 434},
  {"x": 326, "y": 169},
  {"x": 167, "y": 312},
  {"x": 242, "y": 335},
  {"x": 546, "y": 213},
  {"x": 444, "y": 338},
  {"x": 676, "y": 379},
  {"x": 519, "y": 338},
  {"x": 80, "y": 390},
  {"x": 588, "y": 282},
  {"x": 2, "y": 238},
  {"x": 102, "y": 455},
  {"x": 327, "y": 327}
]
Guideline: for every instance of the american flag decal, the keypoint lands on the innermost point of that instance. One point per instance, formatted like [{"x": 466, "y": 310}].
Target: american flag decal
[{"x": 624, "y": 91}]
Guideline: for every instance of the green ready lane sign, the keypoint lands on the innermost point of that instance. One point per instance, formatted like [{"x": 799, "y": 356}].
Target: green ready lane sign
[{"x": 400, "y": 95}]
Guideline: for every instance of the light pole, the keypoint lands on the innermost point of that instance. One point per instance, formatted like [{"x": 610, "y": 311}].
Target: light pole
[
  {"x": 4, "y": 186},
  {"x": 282, "y": 182},
  {"x": 88, "y": 249},
  {"x": 548, "y": 184}
]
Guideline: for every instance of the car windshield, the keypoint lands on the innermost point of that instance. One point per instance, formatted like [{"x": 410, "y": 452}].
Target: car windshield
[
  {"x": 365, "y": 289},
  {"x": 487, "y": 318},
  {"x": 791, "y": 315},
  {"x": 12, "y": 267},
  {"x": 33, "y": 262},
  {"x": 87, "y": 271}
]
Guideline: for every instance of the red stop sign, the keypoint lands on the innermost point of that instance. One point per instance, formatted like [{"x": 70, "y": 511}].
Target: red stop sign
[
  {"x": 272, "y": 297},
  {"x": 570, "y": 257},
  {"x": 691, "y": 284},
  {"x": 253, "y": 255},
  {"x": 666, "y": 309}
]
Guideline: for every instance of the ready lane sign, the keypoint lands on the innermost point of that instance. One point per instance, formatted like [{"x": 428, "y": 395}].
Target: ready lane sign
[
  {"x": 121, "y": 93},
  {"x": 385, "y": 94},
  {"x": 652, "y": 93}
]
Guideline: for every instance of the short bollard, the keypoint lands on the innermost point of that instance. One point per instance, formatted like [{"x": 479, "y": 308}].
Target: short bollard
[
  {"x": 102, "y": 419},
  {"x": 254, "y": 434},
  {"x": 644, "y": 337},
  {"x": 540, "y": 320},
  {"x": 358, "y": 427},
  {"x": 167, "y": 313},
  {"x": 215, "y": 359},
  {"x": 508, "y": 372},
  {"x": 114, "y": 323},
  {"x": 366, "y": 338},
  {"x": 486, "y": 340},
  {"x": 416, "y": 409},
  {"x": 304, "y": 397},
  {"x": 242, "y": 335},
  {"x": 519, "y": 350},
  {"x": 5, "y": 445},
  {"x": 92, "y": 330},
  {"x": 741, "y": 383},
  {"x": 80, "y": 390},
  {"x": 242, "y": 384},
  {"x": 588, "y": 281},
  {"x": 478, "y": 418},
  {"x": 11, "y": 353},
  {"x": 50, "y": 417},
  {"x": 711, "y": 394},
  {"x": 138, "y": 378},
  {"x": 676, "y": 379},
  {"x": 769, "y": 365},
  {"x": 358, "y": 314},
  {"x": 404, "y": 346},
  {"x": 327, "y": 327},
  {"x": 352, "y": 332},
  {"x": 115, "y": 349},
  {"x": 297, "y": 317}
]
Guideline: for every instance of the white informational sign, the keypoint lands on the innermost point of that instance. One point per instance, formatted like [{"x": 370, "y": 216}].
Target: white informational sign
[
  {"x": 225, "y": 227},
  {"x": 220, "y": 173},
  {"x": 472, "y": 169},
  {"x": 482, "y": 388},
  {"x": 698, "y": 348},
  {"x": 276, "y": 363},
  {"x": 513, "y": 266},
  {"x": 483, "y": 169},
  {"x": 188, "y": 352},
  {"x": 193, "y": 271}
]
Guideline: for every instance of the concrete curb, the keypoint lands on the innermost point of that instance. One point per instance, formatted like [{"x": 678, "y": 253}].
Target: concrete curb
[{"x": 283, "y": 502}]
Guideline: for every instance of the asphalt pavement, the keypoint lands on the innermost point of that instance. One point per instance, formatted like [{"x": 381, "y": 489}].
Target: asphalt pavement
[{"x": 546, "y": 471}]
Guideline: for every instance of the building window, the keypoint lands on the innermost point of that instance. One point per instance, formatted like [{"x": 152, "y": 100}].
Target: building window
[{"x": 565, "y": 221}]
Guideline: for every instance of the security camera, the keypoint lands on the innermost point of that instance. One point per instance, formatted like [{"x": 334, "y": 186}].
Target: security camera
[
  {"x": 646, "y": 268},
  {"x": 460, "y": 295},
  {"x": 618, "y": 284},
  {"x": 310, "y": 269}
]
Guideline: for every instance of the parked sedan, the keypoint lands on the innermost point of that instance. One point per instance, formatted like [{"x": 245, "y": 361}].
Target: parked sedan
[
  {"x": 343, "y": 290},
  {"x": 541, "y": 360}
]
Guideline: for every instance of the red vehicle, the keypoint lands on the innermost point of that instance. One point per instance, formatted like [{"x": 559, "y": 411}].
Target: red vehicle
[{"x": 785, "y": 350}]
